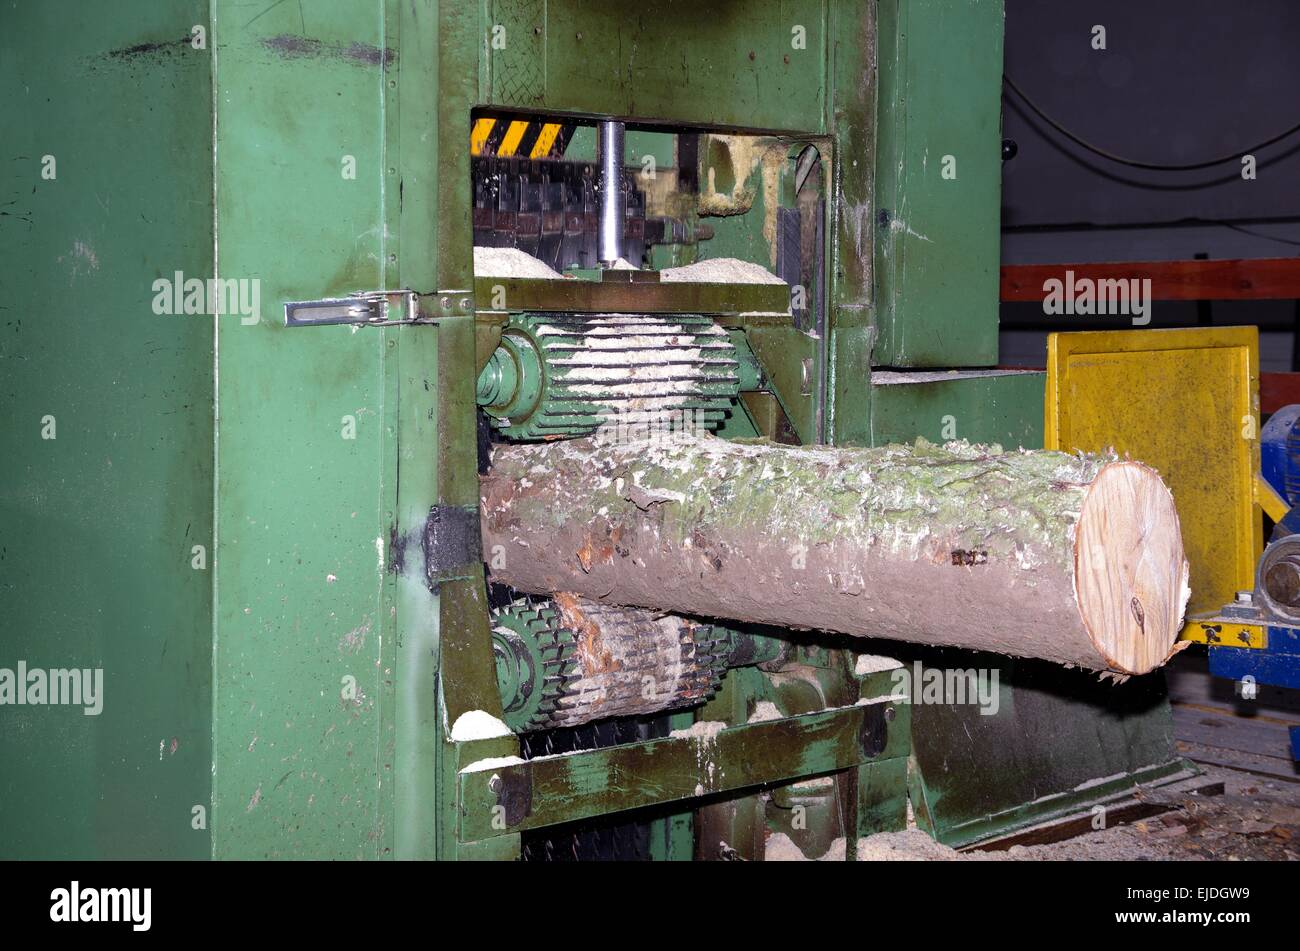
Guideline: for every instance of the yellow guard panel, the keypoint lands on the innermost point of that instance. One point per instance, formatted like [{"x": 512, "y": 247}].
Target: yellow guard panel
[{"x": 1186, "y": 402}]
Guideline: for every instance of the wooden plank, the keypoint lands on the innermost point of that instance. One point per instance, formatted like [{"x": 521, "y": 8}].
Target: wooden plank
[
  {"x": 1208, "y": 727},
  {"x": 1269, "y": 767},
  {"x": 1242, "y": 279}
]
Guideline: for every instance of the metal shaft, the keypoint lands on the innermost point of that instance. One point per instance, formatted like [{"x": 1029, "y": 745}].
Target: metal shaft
[{"x": 610, "y": 246}]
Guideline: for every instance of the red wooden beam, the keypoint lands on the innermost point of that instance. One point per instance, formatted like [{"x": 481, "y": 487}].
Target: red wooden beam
[
  {"x": 1277, "y": 390},
  {"x": 1247, "y": 279}
]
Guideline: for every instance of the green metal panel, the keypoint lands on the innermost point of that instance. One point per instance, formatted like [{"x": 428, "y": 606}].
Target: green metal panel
[
  {"x": 305, "y": 497},
  {"x": 729, "y": 63},
  {"x": 566, "y": 788},
  {"x": 638, "y": 145},
  {"x": 335, "y": 443},
  {"x": 937, "y": 249},
  {"x": 1001, "y": 407},
  {"x": 1059, "y": 741},
  {"x": 97, "y": 524}
]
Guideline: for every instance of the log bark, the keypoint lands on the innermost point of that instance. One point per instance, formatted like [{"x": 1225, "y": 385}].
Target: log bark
[{"x": 1074, "y": 559}]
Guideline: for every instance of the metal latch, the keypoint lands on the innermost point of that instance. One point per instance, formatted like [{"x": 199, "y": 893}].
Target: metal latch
[{"x": 369, "y": 308}]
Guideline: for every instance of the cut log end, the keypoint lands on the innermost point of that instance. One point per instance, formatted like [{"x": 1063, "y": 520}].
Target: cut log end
[{"x": 1130, "y": 569}]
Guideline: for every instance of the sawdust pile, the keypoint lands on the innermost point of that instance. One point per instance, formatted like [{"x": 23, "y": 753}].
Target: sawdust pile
[
  {"x": 719, "y": 271},
  {"x": 764, "y": 711},
  {"x": 511, "y": 262},
  {"x": 911, "y": 846}
]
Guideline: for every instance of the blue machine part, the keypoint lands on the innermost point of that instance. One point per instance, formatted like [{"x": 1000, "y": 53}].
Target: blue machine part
[
  {"x": 1279, "y": 451},
  {"x": 1278, "y": 664}
]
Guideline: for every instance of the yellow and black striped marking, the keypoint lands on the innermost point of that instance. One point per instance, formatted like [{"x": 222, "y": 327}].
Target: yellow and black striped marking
[{"x": 510, "y": 138}]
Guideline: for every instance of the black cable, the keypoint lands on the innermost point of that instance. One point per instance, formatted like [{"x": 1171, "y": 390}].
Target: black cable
[
  {"x": 1260, "y": 234},
  {"x": 1057, "y": 227},
  {"x": 1133, "y": 163},
  {"x": 1186, "y": 222}
]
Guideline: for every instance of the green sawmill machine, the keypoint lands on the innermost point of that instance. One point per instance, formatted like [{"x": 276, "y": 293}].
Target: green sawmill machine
[{"x": 778, "y": 221}]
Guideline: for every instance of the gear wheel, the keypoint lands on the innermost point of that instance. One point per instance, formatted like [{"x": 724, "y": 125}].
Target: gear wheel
[{"x": 534, "y": 661}]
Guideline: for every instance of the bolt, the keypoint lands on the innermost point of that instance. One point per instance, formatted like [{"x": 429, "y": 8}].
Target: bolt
[
  {"x": 494, "y": 783},
  {"x": 890, "y": 714}
]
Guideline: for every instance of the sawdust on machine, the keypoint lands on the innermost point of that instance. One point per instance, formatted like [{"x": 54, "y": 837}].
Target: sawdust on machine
[
  {"x": 511, "y": 262},
  {"x": 719, "y": 271}
]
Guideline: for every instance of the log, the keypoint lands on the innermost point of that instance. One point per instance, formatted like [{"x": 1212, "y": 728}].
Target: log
[{"x": 1076, "y": 559}]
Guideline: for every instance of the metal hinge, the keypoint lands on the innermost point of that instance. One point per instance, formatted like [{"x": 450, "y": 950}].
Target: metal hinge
[{"x": 372, "y": 308}]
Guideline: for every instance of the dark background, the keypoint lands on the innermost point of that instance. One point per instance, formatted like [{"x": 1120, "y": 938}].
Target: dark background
[{"x": 1180, "y": 81}]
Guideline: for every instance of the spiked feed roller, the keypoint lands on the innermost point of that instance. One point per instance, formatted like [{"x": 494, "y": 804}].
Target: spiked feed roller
[
  {"x": 566, "y": 375},
  {"x": 572, "y": 661}
]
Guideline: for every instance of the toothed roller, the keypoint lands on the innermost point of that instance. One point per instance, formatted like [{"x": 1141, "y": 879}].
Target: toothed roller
[
  {"x": 574, "y": 661},
  {"x": 564, "y": 375}
]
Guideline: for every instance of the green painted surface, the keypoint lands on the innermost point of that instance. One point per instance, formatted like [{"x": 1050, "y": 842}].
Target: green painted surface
[
  {"x": 937, "y": 250},
  {"x": 672, "y": 837},
  {"x": 1005, "y": 409},
  {"x": 633, "y": 775},
  {"x": 332, "y": 442},
  {"x": 660, "y": 148},
  {"x": 724, "y": 63},
  {"x": 882, "y": 798},
  {"x": 1059, "y": 741},
  {"x": 301, "y": 756},
  {"x": 97, "y": 524}
]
